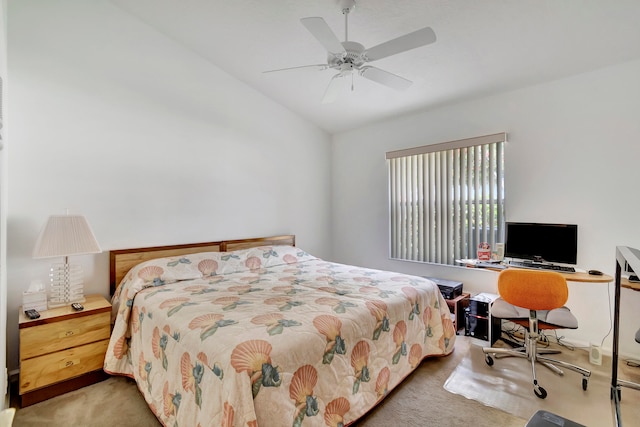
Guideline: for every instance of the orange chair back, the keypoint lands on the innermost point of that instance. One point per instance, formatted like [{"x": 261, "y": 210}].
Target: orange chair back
[{"x": 531, "y": 289}]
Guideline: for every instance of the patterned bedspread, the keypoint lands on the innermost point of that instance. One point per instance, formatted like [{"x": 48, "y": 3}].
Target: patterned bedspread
[{"x": 271, "y": 336}]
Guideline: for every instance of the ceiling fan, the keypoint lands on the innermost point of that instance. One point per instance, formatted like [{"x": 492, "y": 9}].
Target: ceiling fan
[{"x": 349, "y": 57}]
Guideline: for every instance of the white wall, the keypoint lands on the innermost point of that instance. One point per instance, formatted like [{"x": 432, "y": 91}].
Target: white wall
[
  {"x": 572, "y": 157},
  {"x": 151, "y": 142},
  {"x": 157, "y": 146},
  {"x": 3, "y": 213}
]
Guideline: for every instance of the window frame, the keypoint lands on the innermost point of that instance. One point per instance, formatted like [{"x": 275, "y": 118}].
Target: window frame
[{"x": 444, "y": 168}]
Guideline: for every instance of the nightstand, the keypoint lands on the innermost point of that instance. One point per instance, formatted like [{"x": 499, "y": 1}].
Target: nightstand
[
  {"x": 457, "y": 306},
  {"x": 63, "y": 350}
]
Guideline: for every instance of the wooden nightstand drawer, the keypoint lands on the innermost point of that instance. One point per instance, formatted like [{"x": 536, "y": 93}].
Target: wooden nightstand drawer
[
  {"x": 63, "y": 349},
  {"x": 55, "y": 367},
  {"x": 52, "y": 337}
]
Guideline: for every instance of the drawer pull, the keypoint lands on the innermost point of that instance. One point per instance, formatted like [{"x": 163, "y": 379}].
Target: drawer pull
[
  {"x": 69, "y": 363},
  {"x": 69, "y": 333}
]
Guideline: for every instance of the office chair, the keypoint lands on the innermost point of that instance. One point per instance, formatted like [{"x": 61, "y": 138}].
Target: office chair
[
  {"x": 535, "y": 300},
  {"x": 630, "y": 384}
]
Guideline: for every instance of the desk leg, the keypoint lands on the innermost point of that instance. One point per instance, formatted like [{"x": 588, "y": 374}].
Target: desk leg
[{"x": 616, "y": 335}]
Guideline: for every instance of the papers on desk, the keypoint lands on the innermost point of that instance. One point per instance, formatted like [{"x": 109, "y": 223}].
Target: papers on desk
[{"x": 495, "y": 265}]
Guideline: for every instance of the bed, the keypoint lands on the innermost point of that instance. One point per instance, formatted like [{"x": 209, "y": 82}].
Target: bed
[{"x": 258, "y": 332}]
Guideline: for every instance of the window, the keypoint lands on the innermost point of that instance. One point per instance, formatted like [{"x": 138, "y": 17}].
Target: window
[{"x": 445, "y": 199}]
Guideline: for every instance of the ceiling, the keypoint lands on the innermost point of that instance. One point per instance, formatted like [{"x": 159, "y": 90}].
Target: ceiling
[{"x": 482, "y": 47}]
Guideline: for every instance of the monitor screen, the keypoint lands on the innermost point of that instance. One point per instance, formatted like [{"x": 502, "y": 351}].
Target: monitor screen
[{"x": 542, "y": 242}]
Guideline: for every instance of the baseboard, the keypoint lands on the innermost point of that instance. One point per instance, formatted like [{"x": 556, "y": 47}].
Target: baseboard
[
  {"x": 38, "y": 395},
  {"x": 16, "y": 400}
]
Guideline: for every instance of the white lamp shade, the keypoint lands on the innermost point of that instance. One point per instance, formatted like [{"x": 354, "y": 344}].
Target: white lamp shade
[{"x": 65, "y": 235}]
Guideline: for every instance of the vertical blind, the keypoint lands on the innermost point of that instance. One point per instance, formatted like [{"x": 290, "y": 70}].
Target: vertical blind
[{"x": 445, "y": 199}]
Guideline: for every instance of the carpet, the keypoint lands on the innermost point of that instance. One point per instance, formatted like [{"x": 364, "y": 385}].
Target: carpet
[
  {"x": 113, "y": 402},
  {"x": 507, "y": 386},
  {"x": 420, "y": 401}
]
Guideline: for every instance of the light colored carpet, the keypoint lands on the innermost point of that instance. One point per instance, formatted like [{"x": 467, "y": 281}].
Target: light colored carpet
[
  {"x": 421, "y": 400},
  {"x": 113, "y": 402},
  {"x": 507, "y": 385}
]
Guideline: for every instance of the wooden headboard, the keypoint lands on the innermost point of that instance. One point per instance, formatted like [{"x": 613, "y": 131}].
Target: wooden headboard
[{"x": 123, "y": 260}]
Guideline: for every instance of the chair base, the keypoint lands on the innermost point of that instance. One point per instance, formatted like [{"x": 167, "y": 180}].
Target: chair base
[
  {"x": 530, "y": 352},
  {"x": 629, "y": 384}
]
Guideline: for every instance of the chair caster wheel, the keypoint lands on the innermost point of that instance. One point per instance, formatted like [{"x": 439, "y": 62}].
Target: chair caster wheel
[
  {"x": 585, "y": 383},
  {"x": 489, "y": 360},
  {"x": 540, "y": 392}
]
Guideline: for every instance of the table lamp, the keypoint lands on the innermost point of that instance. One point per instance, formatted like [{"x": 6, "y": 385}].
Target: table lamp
[{"x": 62, "y": 236}]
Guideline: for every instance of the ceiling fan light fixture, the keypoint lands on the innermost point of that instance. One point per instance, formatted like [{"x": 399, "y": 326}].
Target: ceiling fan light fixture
[
  {"x": 347, "y": 6},
  {"x": 353, "y": 54},
  {"x": 347, "y": 57}
]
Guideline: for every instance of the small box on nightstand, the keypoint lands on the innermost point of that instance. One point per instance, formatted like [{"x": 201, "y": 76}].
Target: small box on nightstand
[{"x": 34, "y": 300}]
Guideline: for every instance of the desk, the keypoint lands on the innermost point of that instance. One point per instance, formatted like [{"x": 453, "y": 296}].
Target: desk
[
  {"x": 586, "y": 277},
  {"x": 571, "y": 277},
  {"x": 625, "y": 283}
]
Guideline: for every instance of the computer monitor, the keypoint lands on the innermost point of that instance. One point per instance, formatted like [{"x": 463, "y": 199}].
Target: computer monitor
[{"x": 542, "y": 242}]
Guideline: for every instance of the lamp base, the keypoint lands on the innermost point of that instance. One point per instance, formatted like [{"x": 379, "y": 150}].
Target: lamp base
[
  {"x": 57, "y": 303},
  {"x": 66, "y": 285}
]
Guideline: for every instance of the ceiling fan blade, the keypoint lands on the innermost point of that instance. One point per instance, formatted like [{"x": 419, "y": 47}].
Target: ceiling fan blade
[
  {"x": 409, "y": 41},
  {"x": 317, "y": 66},
  {"x": 332, "y": 91},
  {"x": 321, "y": 31},
  {"x": 385, "y": 78}
]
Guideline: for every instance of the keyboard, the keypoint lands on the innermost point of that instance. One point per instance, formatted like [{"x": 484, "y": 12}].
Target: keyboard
[{"x": 540, "y": 266}]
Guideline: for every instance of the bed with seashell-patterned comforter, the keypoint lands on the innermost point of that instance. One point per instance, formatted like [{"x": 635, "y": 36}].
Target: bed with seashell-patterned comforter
[{"x": 271, "y": 336}]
